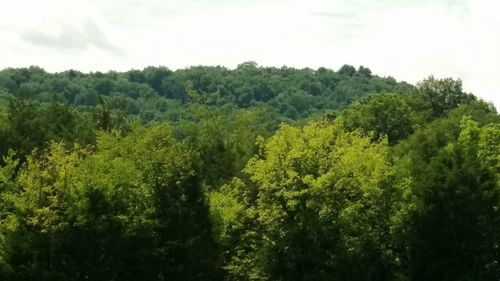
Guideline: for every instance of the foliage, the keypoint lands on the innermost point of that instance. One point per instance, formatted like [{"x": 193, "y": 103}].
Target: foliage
[
  {"x": 253, "y": 173},
  {"x": 131, "y": 209}
]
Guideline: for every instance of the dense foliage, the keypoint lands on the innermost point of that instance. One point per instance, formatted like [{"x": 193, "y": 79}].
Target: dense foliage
[
  {"x": 157, "y": 93},
  {"x": 255, "y": 173}
]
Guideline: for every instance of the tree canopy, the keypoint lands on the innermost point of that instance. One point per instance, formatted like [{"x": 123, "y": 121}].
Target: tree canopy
[{"x": 253, "y": 173}]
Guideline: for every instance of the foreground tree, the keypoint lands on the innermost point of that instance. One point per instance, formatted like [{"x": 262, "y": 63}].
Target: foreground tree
[
  {"x": 455, "y": 230},
  {"x": 320, "y": 213},
  {"x": 131, "y": 210}
]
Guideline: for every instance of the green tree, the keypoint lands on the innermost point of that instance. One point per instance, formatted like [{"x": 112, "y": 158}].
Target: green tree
[
  {"x": 131, "y": 209},
  {"x": 455, "y": 229},
  {"x": 443, "y": 95},
  {"x": 41, "y": 201},
  {"x": 383, "y": 115},
  {"x": 319, "y": 212}
]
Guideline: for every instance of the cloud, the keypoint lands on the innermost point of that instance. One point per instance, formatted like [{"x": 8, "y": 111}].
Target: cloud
[{"x": 71, "y": 37}]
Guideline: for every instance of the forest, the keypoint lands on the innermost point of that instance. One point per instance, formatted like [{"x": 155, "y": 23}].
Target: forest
[{"x": 253, "y": 174}]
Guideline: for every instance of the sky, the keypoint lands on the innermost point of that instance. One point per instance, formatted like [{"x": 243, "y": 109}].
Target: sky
[{"x": 406, "y": 39}]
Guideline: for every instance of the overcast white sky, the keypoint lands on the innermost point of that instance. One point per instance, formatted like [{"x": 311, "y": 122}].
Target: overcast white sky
[{"x": 407, "y": 39}]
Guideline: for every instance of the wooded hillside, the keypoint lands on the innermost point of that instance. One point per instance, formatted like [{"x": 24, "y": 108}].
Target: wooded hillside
[{"x": 254, "y": 173}]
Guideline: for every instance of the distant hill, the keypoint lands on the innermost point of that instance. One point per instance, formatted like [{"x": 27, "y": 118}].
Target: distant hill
[{"x": 157, "y": 93}]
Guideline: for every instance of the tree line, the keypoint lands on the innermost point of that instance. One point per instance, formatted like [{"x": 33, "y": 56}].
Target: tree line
[{"x": 255, "y": 173}]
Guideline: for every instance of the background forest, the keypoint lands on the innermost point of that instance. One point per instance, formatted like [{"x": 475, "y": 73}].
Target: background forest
[{"x": 254, "y": 173}]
